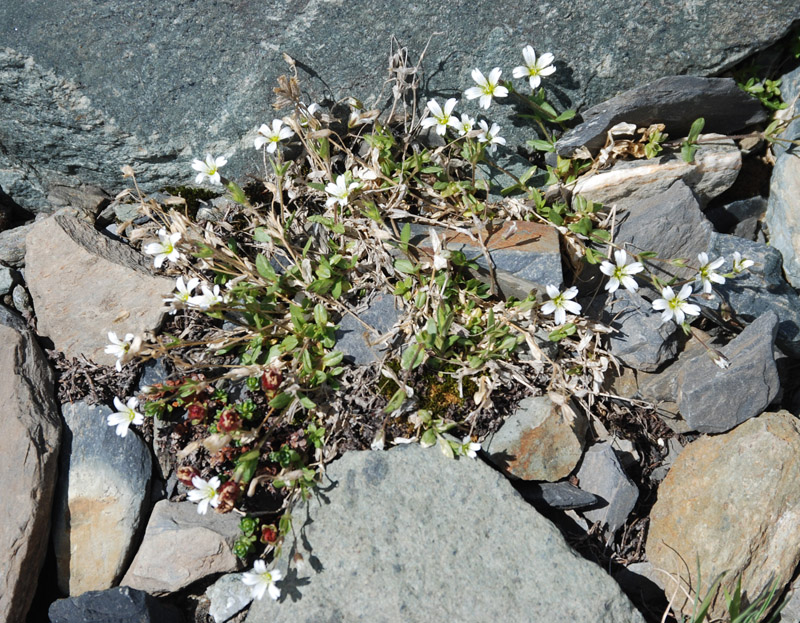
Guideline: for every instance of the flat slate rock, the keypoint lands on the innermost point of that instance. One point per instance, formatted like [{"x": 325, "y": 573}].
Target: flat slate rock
[
  {"x": 92, "y": 87},
  {"x": 783, "y": 213},
  {"x": 675, "y": 101},
  {"x": 120, "y": 605},
  {"x": 409, "y": 535},
  {"x": 559, "y": 495},
  {"x": 29, "y": 449},
  {"x": 602, "y": 474},
  {"x": 362, "y": 345}
]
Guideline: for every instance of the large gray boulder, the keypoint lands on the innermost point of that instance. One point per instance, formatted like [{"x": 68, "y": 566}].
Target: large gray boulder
[
  {"x": 28, "y": 460},
  {"x": 409, "y": 535},
  {"x": 89, "y": 86}
]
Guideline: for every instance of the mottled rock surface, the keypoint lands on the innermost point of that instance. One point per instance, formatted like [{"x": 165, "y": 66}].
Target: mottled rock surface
[
  {"x": 730, "y": 501},
  {"x": 382, "y": 547},
  {"x": 783, "y": 213},
  {"x": 84, "y": 285},
  {"x": 361, "y": 344},
  {"x": 102, "y": 500},
  {"x": 602, "y": 474},
  {"x": 29, "y": 449},
  {"x": 181, "y": 546},
  {"x": 121, "y": 605},
  {"x": 228, "y": 595}
]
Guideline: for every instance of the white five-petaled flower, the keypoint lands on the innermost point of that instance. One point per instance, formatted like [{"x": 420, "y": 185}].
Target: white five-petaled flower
[
  {"x": 707, "y": 272},
  {"x": 490, "y": 135},
  {"x": 740, "y": 264},
  {"x": 441, "y": 118},
  {"x": 676, "y": 305},
  {"x": 119, "y": 348},
  {"x": 440, "y": 256},
  {"x": 208, "y": 298},
  {"x": 471, "y": 448},
  {"x": 340, "y": 191},
  {"x": 487, "y": 87},
  {"x": 534, "y": 68},
  {"x": 184, "y": 292},
  {"x": 272, "y": 136},
  {"x": 263, "y": 581},
  {"x": 622, "y": 273},
  {"x": 164, "y": 249},
  {"x": 560, "y": 303},
  {"x": 125, "y": 416},
  {"x": 205, "y": 492},
  {"x": 465, "y": 125},
  {"x": 209, "y": 169}
]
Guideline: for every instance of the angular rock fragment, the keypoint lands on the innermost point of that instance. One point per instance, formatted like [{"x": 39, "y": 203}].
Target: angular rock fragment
[
  {"x": 675, "y": 101},
  {"x": 362, "y": 344},
  {"x": 790, "y": 93},
  {"x": 783, "y": 213},
  {"x": 84, "y": 285},
  {"x": 601, "y": 473},
  {"x": 713, "y": 399},
  {"x": 714, "y": 169},
  {"x": 560, "y": 495},
  {"x": 383, "y": 546},
  {"x": 538, "y": 442},
  {"x": 29, "y": 447},
  {"x": 181, "y": 546},
  {"x": 228, "y": 596},
  {"x": 730, "y": 502},
  {"x": 121, "y": 605}
]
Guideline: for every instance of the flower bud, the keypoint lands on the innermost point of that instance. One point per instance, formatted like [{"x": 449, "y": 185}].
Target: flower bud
[
  {"x": 228, "y": 494},
  {"x": 269, "y": 534},
  {"x": 186, "y": 473},
  {"x": 196, "y": 413},
  {"x": 271, "y": 380},
  {"x": 229, "y": 421}
]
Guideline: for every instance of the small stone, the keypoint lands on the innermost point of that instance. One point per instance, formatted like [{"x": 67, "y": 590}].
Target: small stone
[
  {"x": 675, "y": 101},
  {"x": 538, "y": 442},
  {"x": 22, "y": 300},
  {"x": 714, "y": 169},
  {"x": 12, "y": 245},
  {"x": 601, "y": 473},
  {"x": 714, "y": 400},
  {"x": 362, "y": 345},
  {"x": 783, "y": 214},
  {"x": 228, "y": 596},
  {"x": 101, "y": 500},
  {"x": 121, "y": 605},
  {"x": 87, "y": 198},
  {"x": 726, "y": 218},
  {"x": 182, "y": 546},
  {"x": 674, "y": 448},
  {"x": 730, "y": 503},
  {"x": 8, "y": 277},
  {"x": 560, "y": 495}
]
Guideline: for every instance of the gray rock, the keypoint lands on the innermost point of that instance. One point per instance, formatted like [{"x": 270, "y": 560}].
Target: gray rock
[
  {"x": 101, "y": 502},
  {"x": 361, "y": 344},
  {"x": 228, "y": 596},
  {"x": 560, "y": 495},
  {"x": 181, "y": 546},
  {"x": 382, "y": 548},
  {"x": 790, "y": 92},
  {"x": 670, "y": 224},
  {"x": 713, "y": 170},
  {"x": 526, "y": 256},
  {"x": 537, "y": 442},
  {"x": 82, "y": 99},
  {"x": 104, "y": 286},
  {"x": 601, "y": 473},
  {"x": 8, "y": 277},
  {"x": 86, "y": 198},
  {"x": 12, "y": 245},
  {"x": 28, "y": 451},
  {"x": 714, "y": 400},
  {"x": 674, "y": 448},
  {"x": 725, "y": 218},
  {"x": 641, "y": 340},
  {"x": 783, "y": 214},
  {"x": 675, "y": 101},
  {"x": 747, "y": 229},
  {"x": 22, "y": 300},
  {"x": 121, "y": 605},
  {"x": 759, "y": 289}
]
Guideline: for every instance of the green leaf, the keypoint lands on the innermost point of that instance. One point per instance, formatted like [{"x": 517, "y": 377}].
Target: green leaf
[
  {"x": 687, "y": 152},
  {"x": 445, "y": 447},
  {"x": 428, "y": 438},
  {"x": 333, "y": 358},
  {"x": 405, "y": 266},
  {"x": 298, "y": 318},
  {"x": 265, "y": 269},
  {"x": 281, "y": 400},
  {"x": 320, "y": 315},
  {"x": 509, "y": 343},
  {"x": 237, "y": 194},
  {"x": 565, "y": 116},
  {"x": 260, "y": 235},
  {"x": 317, "y": 186},
  {"x": 583, "y": 226},
  {"x": 307, "y": 402},
  {"x": 528, "y": 174},
  {"x": 540, "y": 145},
  {"x": 396, "y": 401},
  {"x": 412, "y": 357},
  {"x": 696, "y": 128}
]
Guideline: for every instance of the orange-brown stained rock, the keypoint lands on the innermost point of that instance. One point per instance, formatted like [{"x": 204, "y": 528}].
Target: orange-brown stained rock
[{"x": 528, "y": 237}]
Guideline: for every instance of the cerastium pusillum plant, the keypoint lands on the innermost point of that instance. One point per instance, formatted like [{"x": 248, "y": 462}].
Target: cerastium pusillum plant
[{"x": 265, "y": 286}]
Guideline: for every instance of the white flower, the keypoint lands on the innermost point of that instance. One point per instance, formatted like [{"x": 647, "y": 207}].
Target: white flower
[
  {"x": 119, "y": 348},
  {"x": 707, "y": 272},
  {"x": 208, "y": 298},
  {"x": 340, "y": 191},
  {"x": 490, "y": 135},
  {"x": 209, "y": 168},
  {"x": 365, "y": 174},
  {"x": 464, "y": 125},
  {"x": 164, "y": 249},
  {"x": 487, "y": 87},
  {"x": 440, "y": 256},
  {"x": 184, "y": 292},
  {"x": 560, "y": 303},
  {"x": 125, "y": 416},
  {"x": 740, "y": 264},
  {"x": 440, "y": 118},
  {"x": 470, "y": 448},
  {"x": 205, "y": 493},
  {"x": 273, "y": 135},
  {"x": 534, "y": 69},
  {"x": 262, "y": 580},
  {"x": 621, "y": 273},
  {"x": 676, "y": 305}
]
